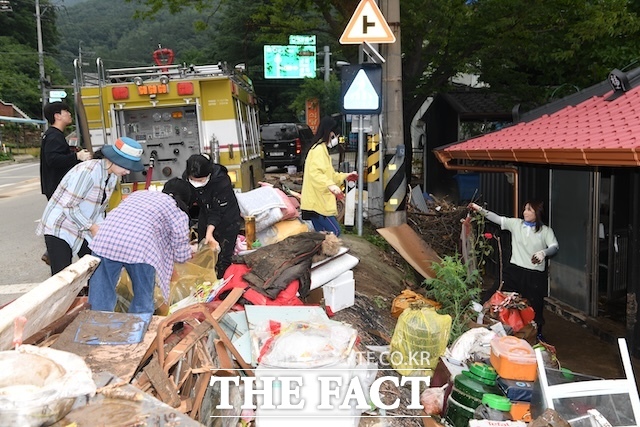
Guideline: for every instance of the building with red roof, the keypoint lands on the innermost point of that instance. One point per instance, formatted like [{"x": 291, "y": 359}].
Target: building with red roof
[{"x": 581, "y": 155}]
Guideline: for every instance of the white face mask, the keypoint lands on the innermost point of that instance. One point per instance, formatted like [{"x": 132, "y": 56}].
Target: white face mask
[
  {"x": 198, "y": 184},
  {"x": 333, "y": 142}
]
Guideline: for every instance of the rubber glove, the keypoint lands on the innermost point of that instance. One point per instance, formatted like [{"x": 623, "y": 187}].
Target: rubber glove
[
  {"x": 353, "y": 176},
  {"x": 538, "y": 257}
]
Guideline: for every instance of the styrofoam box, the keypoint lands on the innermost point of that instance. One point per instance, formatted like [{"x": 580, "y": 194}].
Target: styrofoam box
[{"x": 339, "y": 293}]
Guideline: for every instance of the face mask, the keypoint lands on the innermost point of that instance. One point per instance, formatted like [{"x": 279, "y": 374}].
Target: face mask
[
  {"x": 198, "y": 184},
  {"x": 333, "y": 142}
]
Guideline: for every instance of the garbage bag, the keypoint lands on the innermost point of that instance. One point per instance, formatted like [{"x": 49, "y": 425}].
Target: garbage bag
[
  {"x": 184, "y": 281},
  {"x": 419, "y": 339}
]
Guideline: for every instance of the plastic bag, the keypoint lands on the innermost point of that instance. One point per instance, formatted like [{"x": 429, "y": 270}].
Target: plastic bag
[
  {"x": 419, "y": 339},
  {"x": 510, "y": 309},
  {"x": 406, "y": 297},
  {"x": 185, "y": 279},
  {"x": 303, "y": 344}
]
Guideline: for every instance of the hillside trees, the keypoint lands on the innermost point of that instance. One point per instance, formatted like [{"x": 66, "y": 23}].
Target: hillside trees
[
  {"x": 527, "y": 50},
  {"x": 19, "y": 71}
]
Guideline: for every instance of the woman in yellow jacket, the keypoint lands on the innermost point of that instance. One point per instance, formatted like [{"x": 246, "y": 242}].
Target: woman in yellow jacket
[{"x": 320, "y": 183}]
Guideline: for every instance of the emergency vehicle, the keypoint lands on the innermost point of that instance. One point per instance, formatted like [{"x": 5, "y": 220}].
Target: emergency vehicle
[{"x": 173, "y": 111}]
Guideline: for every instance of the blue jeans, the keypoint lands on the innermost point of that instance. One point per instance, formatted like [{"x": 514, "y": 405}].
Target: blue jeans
[
  {"x": 326, "y": 223},
  {"x": 102, "y": 286}
]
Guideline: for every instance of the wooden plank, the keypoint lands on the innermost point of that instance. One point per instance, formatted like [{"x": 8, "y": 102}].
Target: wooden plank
[
  {"x": 412, "y": 248},
  {"x": 46, "y": 302},
  {"x": 185, "y": 345},
  {"x": 166, "y": 391},
  {"x": 121, "y": 360},
  {"x": 58, "y": 326}
]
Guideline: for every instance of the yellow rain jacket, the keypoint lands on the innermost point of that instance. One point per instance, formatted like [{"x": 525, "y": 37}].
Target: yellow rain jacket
[{"x": 318, "y": 176}]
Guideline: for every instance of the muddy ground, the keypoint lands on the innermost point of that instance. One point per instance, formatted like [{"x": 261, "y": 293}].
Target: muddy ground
[{"x": 379, "y": 276}]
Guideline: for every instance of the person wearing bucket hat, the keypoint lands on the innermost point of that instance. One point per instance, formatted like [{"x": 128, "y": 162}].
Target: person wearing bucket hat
[
  {"x": 146, "y": 234},
  {"x": 125, "y": 152},
  {"x": 77, "y": 207}
]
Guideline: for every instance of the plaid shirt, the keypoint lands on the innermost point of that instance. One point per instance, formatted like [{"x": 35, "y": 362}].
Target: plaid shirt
[
  {"x": 79, "y": 202},
  {"x": 149, "y": 228}
]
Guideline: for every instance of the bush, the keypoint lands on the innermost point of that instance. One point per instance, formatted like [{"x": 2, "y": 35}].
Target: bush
[{"x": 456, "y": 289}]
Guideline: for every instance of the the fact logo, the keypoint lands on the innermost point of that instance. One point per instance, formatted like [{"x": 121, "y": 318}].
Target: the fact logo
[{"x": 331, "y": 392}]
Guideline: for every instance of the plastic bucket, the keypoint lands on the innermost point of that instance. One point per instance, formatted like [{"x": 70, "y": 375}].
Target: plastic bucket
[{"x": 291, "y": 170}]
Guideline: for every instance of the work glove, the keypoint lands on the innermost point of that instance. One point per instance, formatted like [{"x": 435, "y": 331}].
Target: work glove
[
  {"x": 83, "y": 155},
  {"x": 474, "y": 207},
  {"x": 353, "y": 176},
  {"x": 538, "y": 257},
  {"x": 336, "y": 192}
]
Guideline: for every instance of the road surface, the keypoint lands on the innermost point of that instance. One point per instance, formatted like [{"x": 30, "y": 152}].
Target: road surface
[{"x": 21, "y": 205}]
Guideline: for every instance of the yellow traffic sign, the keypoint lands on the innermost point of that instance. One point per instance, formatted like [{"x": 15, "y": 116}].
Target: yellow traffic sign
[{"x": 367, "y": 25}]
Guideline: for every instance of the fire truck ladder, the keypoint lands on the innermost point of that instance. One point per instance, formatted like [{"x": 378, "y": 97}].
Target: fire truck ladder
[{"x": 91, "y": 101}]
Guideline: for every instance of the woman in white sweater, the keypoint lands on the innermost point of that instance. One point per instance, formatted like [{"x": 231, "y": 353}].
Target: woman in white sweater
[{"x": 531, "y": 243}]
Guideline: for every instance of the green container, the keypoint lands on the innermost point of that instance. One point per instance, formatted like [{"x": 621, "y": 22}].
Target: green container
[
  {"x": 468, "y": 384},
  {"x": 458, "y": 414},
  {"x": 482, "y": 372}
]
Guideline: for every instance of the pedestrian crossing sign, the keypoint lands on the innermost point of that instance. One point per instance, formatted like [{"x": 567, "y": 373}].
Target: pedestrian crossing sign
[{"x": 362, "y": 89}]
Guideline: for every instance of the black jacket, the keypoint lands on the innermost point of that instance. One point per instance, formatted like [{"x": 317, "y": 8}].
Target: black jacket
[
  {"x": 56, "y": 159},
  {"x": 217, "y": 202}
]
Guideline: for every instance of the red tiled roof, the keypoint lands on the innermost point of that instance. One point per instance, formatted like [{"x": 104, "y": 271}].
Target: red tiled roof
[{"x": 600, "y": 131}]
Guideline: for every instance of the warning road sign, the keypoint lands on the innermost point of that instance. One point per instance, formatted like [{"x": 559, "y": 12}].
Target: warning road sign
[{"x": 367, "y": 25}]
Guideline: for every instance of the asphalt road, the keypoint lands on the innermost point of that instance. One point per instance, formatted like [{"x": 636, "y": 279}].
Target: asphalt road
[{"x": 21, "y": 205}]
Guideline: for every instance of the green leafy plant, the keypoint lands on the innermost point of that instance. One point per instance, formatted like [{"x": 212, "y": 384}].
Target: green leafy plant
[{"x": 456, "y": 289}]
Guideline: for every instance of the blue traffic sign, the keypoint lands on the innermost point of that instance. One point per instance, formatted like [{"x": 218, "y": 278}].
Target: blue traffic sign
[{"x": 362, "y": 89}]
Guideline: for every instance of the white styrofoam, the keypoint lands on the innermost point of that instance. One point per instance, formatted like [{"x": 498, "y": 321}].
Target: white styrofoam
[
  {"x": 339, "y": 294},
  {"x": 332, "y": 269}
]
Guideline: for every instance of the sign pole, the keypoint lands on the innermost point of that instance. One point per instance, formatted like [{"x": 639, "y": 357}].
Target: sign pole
[{"x": 361, "y": 152}]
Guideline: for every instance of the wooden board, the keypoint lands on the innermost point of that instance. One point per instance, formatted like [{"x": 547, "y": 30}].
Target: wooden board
[
  {"x": 46, "y": 302},
  {"x": 121, "y": 412},
  {"x": 121, "y": 360},
  {"x": 412, "y": 247}
]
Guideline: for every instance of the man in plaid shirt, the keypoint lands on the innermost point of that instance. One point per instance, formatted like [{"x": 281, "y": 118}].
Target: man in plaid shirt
[{"x": 146, "y": 234}]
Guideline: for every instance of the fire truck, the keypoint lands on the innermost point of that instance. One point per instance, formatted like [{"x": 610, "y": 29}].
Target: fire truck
[{"x": 173, "y": 111}]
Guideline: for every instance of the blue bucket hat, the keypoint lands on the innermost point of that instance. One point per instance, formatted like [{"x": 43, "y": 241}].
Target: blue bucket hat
[{"x": 126, "y": 153}]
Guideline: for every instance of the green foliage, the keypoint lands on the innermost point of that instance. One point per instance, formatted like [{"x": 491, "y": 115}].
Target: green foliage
[
  {"x": 482, "y": 248},
  {"x": 327, "y": 93},
  {"x": 456, "y": 289},
  {"x": 530, "y": 48},
  {"x": 19, "y": 68}
]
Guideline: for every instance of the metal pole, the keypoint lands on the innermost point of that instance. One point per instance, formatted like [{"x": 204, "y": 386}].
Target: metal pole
[
  {"x": 43, "y": 93},
  {"x": 327, "y": 63},
  {"x": 361, "y": 153}
]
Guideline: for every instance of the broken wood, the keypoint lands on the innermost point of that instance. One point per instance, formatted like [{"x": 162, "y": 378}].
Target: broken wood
[{"x": 166, "y": 390}]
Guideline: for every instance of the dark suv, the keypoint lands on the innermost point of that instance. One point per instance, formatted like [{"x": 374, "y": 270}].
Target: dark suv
[{"x": 285, "y": 144}]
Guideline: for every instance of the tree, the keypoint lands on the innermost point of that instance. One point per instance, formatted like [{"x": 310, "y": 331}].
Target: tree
[
  {"x": 19, "y": 68},
  {"x": 527, "y": 49},
  {"x": 524, "y": 49}
]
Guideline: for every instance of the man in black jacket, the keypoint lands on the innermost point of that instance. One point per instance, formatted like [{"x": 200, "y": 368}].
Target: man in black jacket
[{"x": 56, "y": 157}]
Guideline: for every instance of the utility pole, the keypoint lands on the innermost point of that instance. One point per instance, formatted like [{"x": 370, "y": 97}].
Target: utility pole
[
  {"x": 392, "y": 107},
  {"x": 43, "y": 92},
  {"x": 327, "y": 63}
]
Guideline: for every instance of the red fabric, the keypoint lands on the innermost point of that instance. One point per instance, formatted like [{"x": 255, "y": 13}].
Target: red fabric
[
  {"x": 513, "y": 317},
  {"x": 286, "y": 297}
]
